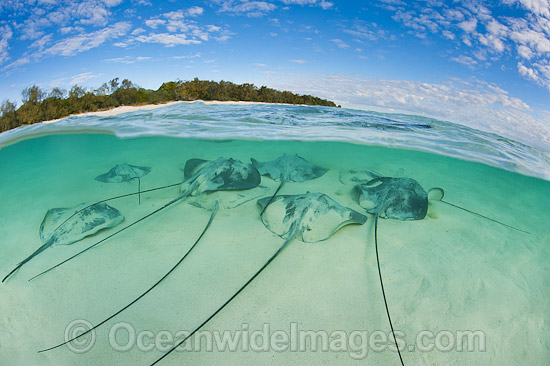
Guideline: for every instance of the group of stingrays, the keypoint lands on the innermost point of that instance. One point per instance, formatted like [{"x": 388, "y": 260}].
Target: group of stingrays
[{"x": 309, "y": 217}]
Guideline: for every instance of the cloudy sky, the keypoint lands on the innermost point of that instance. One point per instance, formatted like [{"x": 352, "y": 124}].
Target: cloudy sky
[{"x": 485, "y": 64}]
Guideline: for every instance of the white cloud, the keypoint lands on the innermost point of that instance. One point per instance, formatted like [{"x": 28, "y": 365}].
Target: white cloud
[
  {"x": 497, "y": 29},
  {"x": 298, "y": 61},
  {"x": 527, "y": 72},
  {"x": 6, "y": 34},
  {"x": 194, "y": 11},
  {"x": 66, "y": 30},
  {"x": 468, "y": 25},
  {"x": 539, "y": 7},
  {"x": 195, "y": 55},
  {"x": 86, "y": 41},
  {"x": 245, "y": 7},
  {"x": 182, "y": 29},
  {"x": 525, "y": 52},
  {"x": 537, "y": 41},
  {"x": 17, "y": 63},
  {"x": 81, "y": 78},
  {"x": 155, "y": 23},
  {"x": 174, "y": 26},
  {"x": 92, "y": 13},
  {"x": 465, "y": 60},
  {"x": 454, "y": 14},
  {"x": 137, "y": 31},
  {"x": 223, "y": 37},
  {"x": 33, "y": 28},
  {"x": 181, "y": 13},
  {"x": 57, "y": 17},
  {"x": 322, "y": 3},
  {"x": 128, "y": 59},
  {"x": 111, "y": 3},
  {"x": 40, "y": 44},
  {"x": 491, "y": 41},
  {"x": 339, "y": 43},
  {"x": 448, "y": 34},
  {"x": 167, "y": 39},
  {"x": 365, "y": 31}
]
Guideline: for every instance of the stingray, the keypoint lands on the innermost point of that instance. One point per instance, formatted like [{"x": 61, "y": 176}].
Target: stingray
[
  {"x": 309, "y": 217},
  {"x": 398, "y": 199},
  {"x": 91, "y": 329},
  {"x": 410, "y": 201},
  {"x": 218, "y": 175},
  {"x": 61, "y": 226},
  {"x": 125, "y": 173},
  {"x": 288, "y": 168},
  {"x": 393, "y": 198}
]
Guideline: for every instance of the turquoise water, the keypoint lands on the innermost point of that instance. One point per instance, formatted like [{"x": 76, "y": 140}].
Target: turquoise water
[{"x": 451, "y": 272}]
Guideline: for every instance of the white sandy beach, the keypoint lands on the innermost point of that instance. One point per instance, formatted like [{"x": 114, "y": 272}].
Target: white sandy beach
[{"x": 146, "y": 107}]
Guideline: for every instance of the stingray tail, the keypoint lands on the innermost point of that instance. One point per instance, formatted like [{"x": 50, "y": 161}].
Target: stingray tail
[
  {"x": 214, "y": 211},
  {"x": 290, "y": 238},
  {"x": 34, "y": 254},
  {"x": 273, "y": 196},
  {"x": 485, "y": 217},
  {"x": 139, "y": 190},
  {"x": 110, "y": 236},
  {"x": 382, "y": 286}
]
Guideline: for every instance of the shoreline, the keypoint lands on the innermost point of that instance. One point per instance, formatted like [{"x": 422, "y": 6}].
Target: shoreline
[{"x": 146, "y": 107}]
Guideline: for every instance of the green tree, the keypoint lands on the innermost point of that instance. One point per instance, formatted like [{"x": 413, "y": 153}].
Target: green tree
[
  {"x": 57, "y": 93},
  {"x": 8, "y": 116},
  {"x": 113, "y": 85},
  {"x": 33, "y": 94}
]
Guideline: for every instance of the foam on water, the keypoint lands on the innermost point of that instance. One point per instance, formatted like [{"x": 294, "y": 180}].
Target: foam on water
[{"x": 305, "y": 123}]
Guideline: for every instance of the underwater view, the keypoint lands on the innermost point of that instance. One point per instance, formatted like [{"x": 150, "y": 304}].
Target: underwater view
[{"x": 240, "y": 234}]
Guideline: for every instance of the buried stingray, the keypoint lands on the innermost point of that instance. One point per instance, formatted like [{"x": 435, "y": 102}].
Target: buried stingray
[
  {"x": 218, "y": 175},
  {"x": 309, "y": 217},
  {"x": 288, "y": 168},
  {"x": 63, "y": 226},
  {"x": 399, "y": 199},
  {"x": 125, "y": 173}
]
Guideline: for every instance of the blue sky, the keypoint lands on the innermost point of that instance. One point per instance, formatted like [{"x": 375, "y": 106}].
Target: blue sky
[{"x": 485, "y": 64}]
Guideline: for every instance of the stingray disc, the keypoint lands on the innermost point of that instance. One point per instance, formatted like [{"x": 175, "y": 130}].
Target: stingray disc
[
  {"x": 317, "y": 215},
  {"x": 84, "y": 223}
]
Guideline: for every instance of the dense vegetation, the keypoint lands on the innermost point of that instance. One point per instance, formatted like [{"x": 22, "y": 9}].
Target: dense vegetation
[{"x": 39, "y": 105}]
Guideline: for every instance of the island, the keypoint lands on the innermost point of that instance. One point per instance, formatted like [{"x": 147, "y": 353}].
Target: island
[{"x": 40, "y": 105}]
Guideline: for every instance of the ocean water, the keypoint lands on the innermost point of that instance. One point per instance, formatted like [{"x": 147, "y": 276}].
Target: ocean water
[{"x": 461, "y": 289}]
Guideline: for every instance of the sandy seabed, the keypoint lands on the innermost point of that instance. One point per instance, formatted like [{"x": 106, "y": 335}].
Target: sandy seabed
[{"x": 451, "y": 272}]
